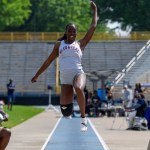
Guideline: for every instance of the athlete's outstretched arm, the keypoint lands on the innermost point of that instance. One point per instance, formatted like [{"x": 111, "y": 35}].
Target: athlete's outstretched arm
[
  {"x": 83, "y": 42},
  {"x": 47, "y": 62}
]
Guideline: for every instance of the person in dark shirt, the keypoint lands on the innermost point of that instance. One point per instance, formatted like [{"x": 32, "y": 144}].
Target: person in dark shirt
[
  {"x": 138, "y": 90},
  {"x": 142, "y": 105},
  {"x": 96, "y": 103},
  {"x": 86, "y": 93},
  {"x": 10, "y": 93}
]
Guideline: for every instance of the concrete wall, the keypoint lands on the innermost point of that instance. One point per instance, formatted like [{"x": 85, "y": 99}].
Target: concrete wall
[{"x": 21, "y": 60}]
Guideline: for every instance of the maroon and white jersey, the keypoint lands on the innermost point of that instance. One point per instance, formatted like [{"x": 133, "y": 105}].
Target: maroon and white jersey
[{"x": 69, "y": 56}]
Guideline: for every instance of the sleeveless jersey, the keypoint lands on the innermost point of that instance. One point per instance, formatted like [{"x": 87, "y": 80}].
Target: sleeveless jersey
[{"x": 69, "y": 56}]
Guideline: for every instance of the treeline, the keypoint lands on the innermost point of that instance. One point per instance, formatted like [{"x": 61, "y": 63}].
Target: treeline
[{"x": 53, "y": 15}]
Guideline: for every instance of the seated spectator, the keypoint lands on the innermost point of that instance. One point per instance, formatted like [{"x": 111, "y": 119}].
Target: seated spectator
[
  {"x": 96, "y": 103},
  {"x": 110, "y": 98},
  {"x": 142, "y": 105},
  {"x": 147, "y": 116},
  {"x": 137, "y": 110},
  {"x": 138, "y": 89},
  {"x": 88, "y": 104},
  {"x": 86, "y": 93}
]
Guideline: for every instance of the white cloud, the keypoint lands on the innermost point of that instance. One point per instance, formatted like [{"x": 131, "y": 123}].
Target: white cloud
[{"x": 117, "y": 28}]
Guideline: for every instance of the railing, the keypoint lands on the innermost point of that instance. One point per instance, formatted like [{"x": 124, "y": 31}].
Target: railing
[
  {"x": 132, "y": 62},
  {"x": 53, "y": 36}
]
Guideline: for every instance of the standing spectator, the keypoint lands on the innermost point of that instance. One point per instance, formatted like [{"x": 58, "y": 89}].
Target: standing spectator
[
  {"x": 131, "y": 96},
  {"x": 10, "y": 93},
  {"x": 125, "y": 95}
]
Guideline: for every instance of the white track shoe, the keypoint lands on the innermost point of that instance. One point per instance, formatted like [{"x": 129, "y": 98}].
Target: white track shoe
[{"x": 84, "y": 124}]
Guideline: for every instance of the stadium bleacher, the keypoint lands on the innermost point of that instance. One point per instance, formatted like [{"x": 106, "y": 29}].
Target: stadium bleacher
[{"x": 20, "y": 60}]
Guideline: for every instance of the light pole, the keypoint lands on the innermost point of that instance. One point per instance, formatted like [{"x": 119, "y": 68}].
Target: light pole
[{"x": 49, "y": 95}]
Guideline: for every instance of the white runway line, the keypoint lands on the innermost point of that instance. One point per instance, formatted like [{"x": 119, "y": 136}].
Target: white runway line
[
  {"x": 52, "y": 107},
  {"x": 92, "y": 126},
  {"x": 98, "y": 136},
  {"x": 49, "y": 137}
]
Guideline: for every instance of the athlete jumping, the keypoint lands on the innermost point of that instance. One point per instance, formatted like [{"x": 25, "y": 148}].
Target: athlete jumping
[{"x": 72, "y": 76}]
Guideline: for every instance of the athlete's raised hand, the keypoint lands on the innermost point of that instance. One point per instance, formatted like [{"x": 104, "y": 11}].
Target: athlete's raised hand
[
  {"x": 93, "y": 5},
  {"x": 34, "y": 79}
]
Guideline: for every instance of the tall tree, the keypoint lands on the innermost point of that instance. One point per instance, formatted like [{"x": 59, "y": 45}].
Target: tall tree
[
  {"x": 133, "y": 13},
  {"x": 13, "y": 13},
  {"x": 53, "y": 15}
]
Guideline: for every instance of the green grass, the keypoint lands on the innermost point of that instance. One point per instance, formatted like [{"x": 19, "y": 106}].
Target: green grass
[{"x": 20, "y": 114}]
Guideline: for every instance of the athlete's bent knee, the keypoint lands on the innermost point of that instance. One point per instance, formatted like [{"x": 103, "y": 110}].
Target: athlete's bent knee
[{"x": 67, "y": 109}]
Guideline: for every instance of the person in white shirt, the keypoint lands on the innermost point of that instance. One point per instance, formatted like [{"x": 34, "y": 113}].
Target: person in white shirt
[
  {"x": 125, "y": 95},
  {"x": 72, "y": 75},
  {"x": 131, "y": 96}
]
